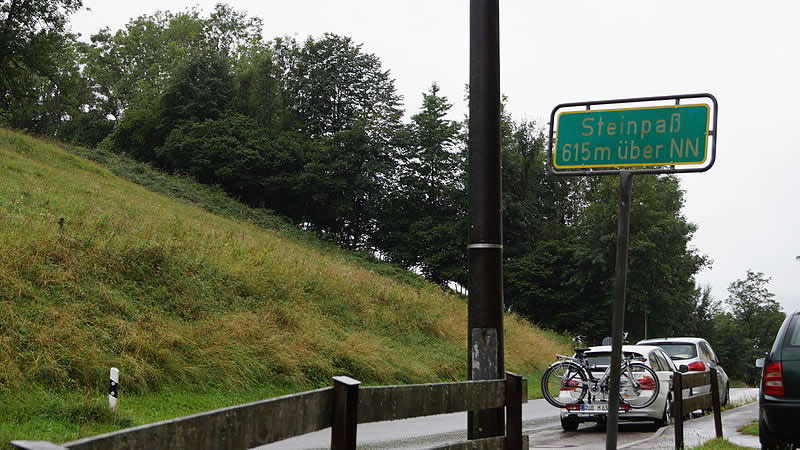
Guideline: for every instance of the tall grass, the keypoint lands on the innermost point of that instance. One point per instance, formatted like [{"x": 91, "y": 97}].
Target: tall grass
[{"x": 97, "y": 271}]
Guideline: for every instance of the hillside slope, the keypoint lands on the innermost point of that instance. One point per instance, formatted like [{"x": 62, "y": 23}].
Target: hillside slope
[{"x": 173, "y": 295}]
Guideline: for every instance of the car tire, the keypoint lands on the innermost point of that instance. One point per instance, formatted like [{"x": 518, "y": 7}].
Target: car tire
[
  {"x": 666, "y": 418},
  {"x": 569, "y": 423}
]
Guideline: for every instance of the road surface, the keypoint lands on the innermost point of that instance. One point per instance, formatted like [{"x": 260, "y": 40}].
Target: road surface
[{"x": 540, "y": 422}]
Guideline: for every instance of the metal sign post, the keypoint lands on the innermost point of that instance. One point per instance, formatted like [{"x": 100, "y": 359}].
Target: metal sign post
[
  {"x": 662, "y": 139},
  {"x": 618, "y": 315}
]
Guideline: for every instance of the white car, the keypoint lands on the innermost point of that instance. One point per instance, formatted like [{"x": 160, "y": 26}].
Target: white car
[
  {"x": 660, "y": 411},
  {"x": 698, "y": 356}
]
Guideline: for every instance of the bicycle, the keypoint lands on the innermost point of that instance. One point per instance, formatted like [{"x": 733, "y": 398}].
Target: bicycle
[{"x": 570, "y": 380}]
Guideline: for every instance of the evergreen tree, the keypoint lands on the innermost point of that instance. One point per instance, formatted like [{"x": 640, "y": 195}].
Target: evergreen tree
[{"x": 423, "y": 223}]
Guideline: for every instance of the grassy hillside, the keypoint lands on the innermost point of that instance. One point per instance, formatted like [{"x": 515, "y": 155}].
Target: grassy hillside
[{"x": 183, "y": 300}]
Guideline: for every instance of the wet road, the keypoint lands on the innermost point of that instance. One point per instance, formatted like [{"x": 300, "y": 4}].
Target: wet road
[{"x": 540, "y": 422}]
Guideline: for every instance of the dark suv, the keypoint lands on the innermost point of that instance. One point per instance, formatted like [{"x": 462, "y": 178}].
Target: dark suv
[{"x": 779, "y": 396}]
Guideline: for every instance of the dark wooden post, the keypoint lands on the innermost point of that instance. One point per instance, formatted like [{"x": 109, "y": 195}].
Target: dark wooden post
[
  {"x": 485, "y": 234},
  {"x": 715, "y": 402},
  {"x": 345, "y": 413},
  {"x": 514, "y": 397},
  {"x": 677, "y": 407}
]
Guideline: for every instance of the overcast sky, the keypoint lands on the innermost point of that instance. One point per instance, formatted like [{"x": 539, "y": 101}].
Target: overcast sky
[{"x": 744, "y": 53}]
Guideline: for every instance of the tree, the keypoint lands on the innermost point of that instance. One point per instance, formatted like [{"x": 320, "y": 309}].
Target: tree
[
  {"x": 258, "y": 166},
  {"x": 706, "y": 308},
  {"x": 561, "y": 262},
  {"x": 341, "y": 98},
  {"x": 32, "y": 33},
  {"x": 258, "y": 89},
  {"x": 422, "y": 224},
  {"x": 757, "y": 316},
  {"x": 200, "y": 89},
  {"x": 134, "y": 64},
  {"x": 334, "y": 85}
]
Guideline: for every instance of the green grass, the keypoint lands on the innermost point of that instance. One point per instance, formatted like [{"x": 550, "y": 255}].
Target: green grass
[
  {"x": 751, "y": 429},
  {"x": 193, "y": 304},
  {"x": 64, "y": 416},
  {"x": 214, "y": 200},
  {"x": 719, "y": 444}
]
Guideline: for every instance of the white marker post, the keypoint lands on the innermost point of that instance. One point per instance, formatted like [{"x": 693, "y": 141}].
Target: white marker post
[{"x": 113, "y": 389}]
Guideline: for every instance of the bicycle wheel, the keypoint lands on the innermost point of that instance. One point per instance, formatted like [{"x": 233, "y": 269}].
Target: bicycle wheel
[
  {"x": 564, "y": 382},
  {"x": 638, "y": 385}
]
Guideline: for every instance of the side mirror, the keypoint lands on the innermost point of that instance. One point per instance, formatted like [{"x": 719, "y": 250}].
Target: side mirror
[
  {"x": 760, "y": 363},
  {"x": 683, "y": 368}
]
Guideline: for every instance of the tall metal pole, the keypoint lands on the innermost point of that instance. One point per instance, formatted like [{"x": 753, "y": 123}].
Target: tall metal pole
[
  {"x": 485, "y": 250},
  {"x": 618, "y": 315}
]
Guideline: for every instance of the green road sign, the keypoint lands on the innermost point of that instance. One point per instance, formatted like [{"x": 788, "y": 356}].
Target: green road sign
[{"x": 652, "y": 136}]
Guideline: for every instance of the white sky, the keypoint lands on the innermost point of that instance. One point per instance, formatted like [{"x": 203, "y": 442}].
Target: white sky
[{"x": 745, "y": 53}]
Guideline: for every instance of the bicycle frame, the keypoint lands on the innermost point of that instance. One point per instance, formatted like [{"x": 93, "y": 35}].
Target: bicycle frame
[{"x": 599, "y": 384}]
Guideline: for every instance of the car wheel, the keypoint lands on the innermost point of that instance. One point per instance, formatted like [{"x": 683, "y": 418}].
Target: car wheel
[
  {"x": 569, "y": 423},
  {"x": 666, "y": 418}
]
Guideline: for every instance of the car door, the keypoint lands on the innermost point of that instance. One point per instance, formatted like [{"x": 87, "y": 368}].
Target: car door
[
  {"x": 663, "y": 369},
  {"x": 672, "y": 368}
]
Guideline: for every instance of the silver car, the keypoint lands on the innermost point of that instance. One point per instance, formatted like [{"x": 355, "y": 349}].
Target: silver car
[
  {"x": 698, "y": 356},
  {"x": 660, "y": 411}
]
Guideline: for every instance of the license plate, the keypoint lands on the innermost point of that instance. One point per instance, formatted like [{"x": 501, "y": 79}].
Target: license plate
[{"x": 595, "y": 408}]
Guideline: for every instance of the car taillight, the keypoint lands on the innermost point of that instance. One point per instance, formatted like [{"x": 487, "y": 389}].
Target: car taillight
[
  {"x": 697, "y": 366},
  {"x": 773, "y": 379},
  {"x": 573, "y": 407},
  {"x": 647, "y": 384},
  {"x": 570, "y": 385}
]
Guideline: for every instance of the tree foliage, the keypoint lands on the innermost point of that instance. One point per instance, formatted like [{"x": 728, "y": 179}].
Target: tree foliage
[
  {"x": 313, "y": 129},
  {"x": 752, "y": 325},
  {"x": 422, "y": 223},
  {"x": 32, "y": 33}
]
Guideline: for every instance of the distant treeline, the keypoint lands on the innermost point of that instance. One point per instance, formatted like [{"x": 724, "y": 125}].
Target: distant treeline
[{"x": 314, "y": 130}]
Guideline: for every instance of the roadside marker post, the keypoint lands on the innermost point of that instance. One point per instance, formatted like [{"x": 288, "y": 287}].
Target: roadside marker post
[
  {"x": 653, "y": 139},
  {"x": 113, "y": 389}
]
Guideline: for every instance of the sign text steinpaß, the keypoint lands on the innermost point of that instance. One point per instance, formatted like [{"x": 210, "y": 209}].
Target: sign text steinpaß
[{"x": 652, "y": 136}]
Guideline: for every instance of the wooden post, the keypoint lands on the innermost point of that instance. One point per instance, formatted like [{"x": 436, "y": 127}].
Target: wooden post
[
  {"x": 345, "y": 413},
  {"x": 677, "y": 407},
  {"x": 514, "y": 397},
  {"x": 715, "y": 402}
]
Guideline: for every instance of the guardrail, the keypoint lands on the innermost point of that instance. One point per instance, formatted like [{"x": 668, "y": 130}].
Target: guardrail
[
  {"x": 709, "y": 400},
  {"x": 341, "y": 407}
]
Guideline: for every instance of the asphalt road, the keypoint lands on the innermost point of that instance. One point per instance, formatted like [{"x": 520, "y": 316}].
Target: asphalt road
[{"x": 540, "y": 422}]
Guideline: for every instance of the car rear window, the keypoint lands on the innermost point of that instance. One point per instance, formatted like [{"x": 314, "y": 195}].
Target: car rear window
[
  {"x": 678, "y": 350},
  {"x": 604, "y": 358},
  {"x": 793, "y": 333}
]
